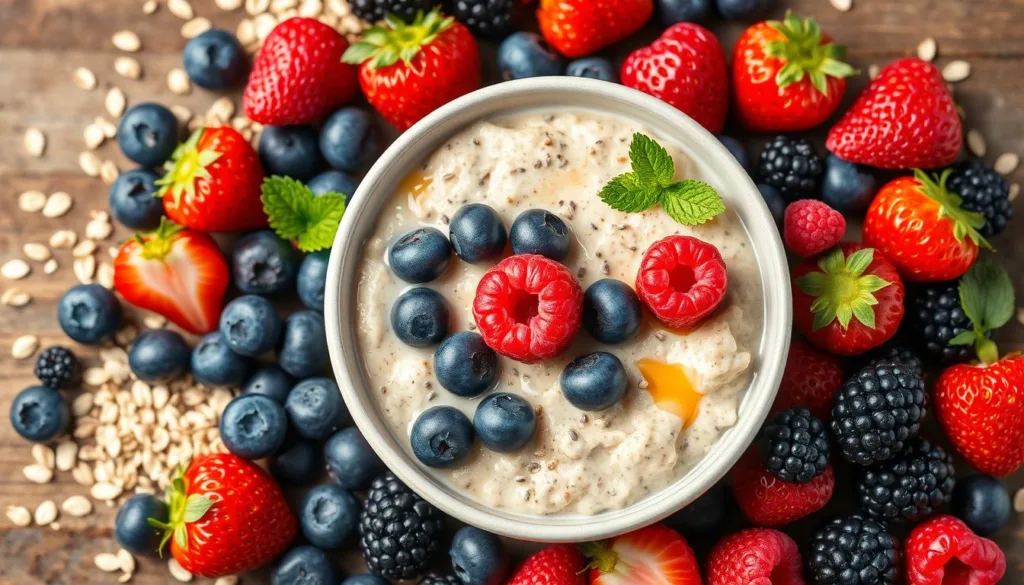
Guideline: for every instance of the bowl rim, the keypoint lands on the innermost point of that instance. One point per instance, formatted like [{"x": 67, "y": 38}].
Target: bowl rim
[{"x": 413, "y": 146}]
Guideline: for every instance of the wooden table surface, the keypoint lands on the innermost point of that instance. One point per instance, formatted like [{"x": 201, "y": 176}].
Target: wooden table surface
[{"x": 42, "y": 41}]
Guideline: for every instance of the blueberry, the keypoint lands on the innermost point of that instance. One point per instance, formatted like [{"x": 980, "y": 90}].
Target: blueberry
[
  {"x": 365, "y": 579},
  {"x": 526, "y": 54},
  {"x": 214, "y": 364},
  {"x": 441, "y": 436},
  {"x": 328, "y": 515},
  {"x": 131, "y": 525},
  {"x": 290, "y": 151},
  {"x": 419, "y": 317},
  {"x": 478, "y": 557},
  {"x": 40, "y": 414},
  {"x": 846, "y": 187},
  {"x": 263, "y": 264},
  {"x": 594, "y": 382},
  {"x": 465, "y": 365},
  {"x": 504, "y": 422},
  {"x": 89, "y": 314},
  {"x": 311, "y": 281},
  {"x": 737, "y": 150},
  {"x": 744, "y": 9},
  {"x": 148, "y": 134},
  {"x": 334, "y": 182},
  {"x": 304, "y": 565},
  {"x": 253, "y": 426},
  {"x": 611, "y": 311},
  {"x": 297, "y": 462},
  {"x": 420, "y": 255},
  {"x": 348, "y": 139},
  {"x": 982, "y": 503},
  {"x": 158, "y": 356},
  {"x": 303, "y": 349},
  {"x": 250, "y": 325},
  {"x": 674, "y": 11},
  {"x": 775, "y": 201},
  {"x": 270, "y": 381},
  {"x": 477, "y": 233},
  {"x": 215, "y": 60},
  {"x": 132, "y": 202},
  {"x": 315, "y": 408},
  {"x": 536, "y": 231},
  {"x": 594, "y": 68},
  {"x": 705, "y": 514},
  {"x": 351, "y": 461}
]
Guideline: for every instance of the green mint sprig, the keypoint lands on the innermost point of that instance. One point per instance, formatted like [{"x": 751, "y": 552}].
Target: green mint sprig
[
  {"x": 689, "y": 202},
  {"x": 986, "y": 296},
  {"x": 297, "y": 215}
]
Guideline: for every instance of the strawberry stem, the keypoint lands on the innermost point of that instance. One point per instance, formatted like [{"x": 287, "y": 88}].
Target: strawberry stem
[
  {"x": 965, "y": 223},
  {"x": 182, "y": 510},
  {"x": 841, "y": 290},
  {"x": 158, "y": 243},
  {"x": 397, "y": 40},
  {"x": 803, "y": 54},
  {"x": 601, "y": 556},
  {"x": 187, "y": 164}
]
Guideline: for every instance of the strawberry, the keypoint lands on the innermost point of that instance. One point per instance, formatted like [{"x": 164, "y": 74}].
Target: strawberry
[
  {"x": 560, "y": 564},
  {"x": 921, "y": 226},
  {"x": 684, "y": 68},
  {"x": 577, "y": 28},
  {"x": 766, "y": 500},
  {"x": 811, "y": 380},
  {"x": 655, "y": 555},
  {"x": 755, "y": 556},
  {"x": 178, "y": 273},
  {"x": 904, "y": 119},
  {"x": 943, "y": 551},
  {"x": 787, "y": 76},
  {"x": 298, "y": 76},
  {"x": 227, "y": 516},
  {"x": 848, "y": 300},
  {"x": 408, "y": 70},
  {"x": 213, "y": 183}
]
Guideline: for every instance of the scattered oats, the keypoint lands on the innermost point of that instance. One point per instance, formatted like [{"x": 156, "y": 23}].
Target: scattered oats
[
  {"x": 83, "y": 249},
  {"x": 222, "y": 109},
  {"x": 115, "y": 102},
  {"x": 84, "y": 78},
  {"x": 1006, "y": 163},
  {"x": 82, "y": 474},
  {"x": 149, "y": 7},
  {"x": 57, "y": 204},
  {"x": 66, "y": 453},
  {"x": 15, "y": 269},
  {"x": 126, "y": 41},
  {"x": 44, "y": 455},
  {"x": 45, "y": 513},
  {"x": 51, "y": 266},
  {"x": 105, "y": 491},
  {"x": 63, "y": 239},
  {"x": 254, "y": 7},
  {"x": 108, "y": 127},
  {"x": 228, "y": 580},
  {"x": 98, "y": 229},
  {"x": 125, "y": 577},
  {"x": 178, "y": 82},
  {"x": 154, "y": 321},
  {"x": 128, "y": 67},
  {"x": 31, "y": 201},
  {"x": 246, "y": 32},
  {"x": 90, "y": 163},
  {"x": 180, "y": 8},
  {"x": 77, "y": 506},
  {"x": 182, "y": 113},
  {"x": 38, "y": 473},
  {"x": 19, "y": 515},
  {"x": 35, "y": 142},
  {"x": 1020, "y": 315},
  {"x": 228, "y": 5},
  {"x": 1018, "y": 501},
  {"x": 107, "y": 562},
  {"x": 105, "y": 274},
  {"x": 109, "y": 172},
  {"x": 127, "y": 561},
  {"x": 93, "y": 136},
  {"x": 95, "y": 376},
  {"x": 927, "y": 50},
  {"x": 24, "y": 346},
  {"x": 976, "y": 143},
  {"x": 84, "y": 269},
  {"x": 112, "y": 251},
  {"x": 842, "y": 5},
  {"x": 1014, "y": 191},
  {"x": 195, "y": 27},
  {"x": 956, "y": 71},
  {"x": 36, "y": 252},
  {"x": 311, "y": 8},
  {"x": 263, "y": 24},
  {"x": 873, "y": 71},
  {"x": 178, "y": 572},
  {"x": 15, "y": 297}
]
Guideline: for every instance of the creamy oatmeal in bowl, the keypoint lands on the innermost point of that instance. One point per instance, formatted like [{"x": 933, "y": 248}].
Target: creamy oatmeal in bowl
[{"x": 558, "y": 323}]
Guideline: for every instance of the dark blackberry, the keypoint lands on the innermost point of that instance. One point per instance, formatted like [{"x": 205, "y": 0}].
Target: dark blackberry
[
  {"x": 792, "y": 166},
  {"x": 794, "y": 445},
  {"x": 435, "y": 579},
  {"x": 376, "y": 10},
  {"x": 985, "y": 191},
  {"x": 400, "y": 533},
  {"x": 853, "y": 550},
  {"x": 935, "y": 316},
  {"x": 895, "y": 352},
  {"x": 877, "y": 411},
  {"x": 910, "y": 487},
  {"x": 485, "y": 18},
  {"x": 58, "y": 368}
]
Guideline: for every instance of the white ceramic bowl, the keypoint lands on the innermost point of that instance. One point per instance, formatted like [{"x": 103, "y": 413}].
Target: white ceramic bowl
[{"x": 549, "y": 93}]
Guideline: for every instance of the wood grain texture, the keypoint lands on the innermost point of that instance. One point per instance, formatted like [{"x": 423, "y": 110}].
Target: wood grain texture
[{"x": 42, "y": 41}]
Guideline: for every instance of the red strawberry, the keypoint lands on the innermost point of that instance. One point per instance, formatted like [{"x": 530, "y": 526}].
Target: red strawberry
[
  {"x": 298, "y": 76},
  {"x": 178, "y": 273},
  {"x": 560, "y": 564},
  {"x": 655, "y": 555},
  {"x": 756, "y": 556},
  {"x": 787, "y": 76},
  {"x": 811, "y": 380},
  {"x": 811, "y": 227},
  {"x": 227, "y": 516},
  {"x": 766, "y": 500},
  {"x": 213, "y": 183},
  {"x": 579, "y": 27},
  {"x": 847, "y": 301},
  {"x": 408, "y": 70},
  {"x": 943, "y": 551},
  {"x": 682, "y": 280},
  {"x": 684, "y": 68},
  {"x": 528, "y": 308},
  {"x": 904, "y": 119},
  {"x": 920, "y": 225}
]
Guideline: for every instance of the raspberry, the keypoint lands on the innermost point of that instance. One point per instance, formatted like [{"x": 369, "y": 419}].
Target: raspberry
[
  {"x": 811, "y": 227},
  {"x": 755, "y": 555},
  {"x": 768, "y": 501},
  {"x": 944, "y": 550},
  {"x": 528, "y": 308},
  {"x": 811, "y": 380},
  {"x": 681, "y": 280}
]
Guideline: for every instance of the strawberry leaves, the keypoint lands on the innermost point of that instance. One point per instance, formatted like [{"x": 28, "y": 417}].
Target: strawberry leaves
[
  {"x": 841, "y": 290},
  {"x": 804, "y": 54},
  {"x": 987, "y": 299},
  {"x": 965, "y": 223},
  {"x": 297, "y": 215}
]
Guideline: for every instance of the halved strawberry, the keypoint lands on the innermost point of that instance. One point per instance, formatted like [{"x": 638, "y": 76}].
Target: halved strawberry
[{"x": 655, "y": 555}]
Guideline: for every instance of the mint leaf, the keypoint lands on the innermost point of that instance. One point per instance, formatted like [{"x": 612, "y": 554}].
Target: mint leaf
[
  {"x": 652, "y": 164},
  {"x": 196, "y": 507},
  {"x": 627, "y": 193},
  {"x": 295, "y": 214},
  {"x": 325, "y": 215},
  {"x": 986, "y": 295},
  {"x": 692, "y": 202}
]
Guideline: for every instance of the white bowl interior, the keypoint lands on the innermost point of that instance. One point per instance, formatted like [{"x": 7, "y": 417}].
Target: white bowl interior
[{"x": 502, "y": 100}]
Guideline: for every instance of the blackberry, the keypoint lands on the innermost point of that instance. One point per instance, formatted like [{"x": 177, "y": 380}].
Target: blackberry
[
  {"x": 58, "y": 368},
  {"x": 399, "y": 532},
  {"x": 877, "y": 411},
  {"x": 791, "y": 166},
  {"x": 895, "y": 352},
  {"x": 910, "y": 487},
  {"x": 985, "y": 191},
  {"x": 435, "y": 579},
  {"x": 935, "y": 316},
  {"x": 485, "y": 18},
  {"x": 794, "y": 445},
  {"x": 376, "y": 10},
  {"x": 853, "y": 550}
]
